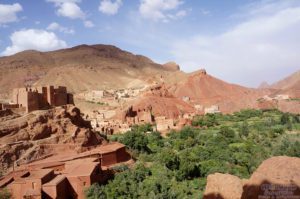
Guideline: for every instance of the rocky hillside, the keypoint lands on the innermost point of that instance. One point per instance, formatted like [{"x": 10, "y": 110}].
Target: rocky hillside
[
  {"x": 207, "y": 90},
  {"x": 26, "y": 138},
  {"x": 277, "y": 176},
  {"x": 287, "y": 82},
  {"x": 289, "y": 85},
  {"x": 79, "y": 68},
  {"x": 161, "y": 103}
]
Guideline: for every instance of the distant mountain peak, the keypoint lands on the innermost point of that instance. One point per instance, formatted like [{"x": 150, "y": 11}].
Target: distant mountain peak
[
  {"x": 172, "y": 66},
  {"x": 264, "y": 84}
]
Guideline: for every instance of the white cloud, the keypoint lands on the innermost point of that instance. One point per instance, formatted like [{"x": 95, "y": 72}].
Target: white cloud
[
  {"x": 33, "y": 39},
  {"x": 110, "y": 7},
  {"x": 160, "y": 10},
  {"x": 63, "y": 1},
  {"x": 54, "y": 26},
  {"x": 181, "y": 13},
  {"x": 8, "y": 13},
  {"x": 88, "y": 24},
  {"x": 68, "y": 8},
  {"x": 250, "y": 51},
  {"x": 71, "y": 10},
  {"x": 205, "y": 12}
]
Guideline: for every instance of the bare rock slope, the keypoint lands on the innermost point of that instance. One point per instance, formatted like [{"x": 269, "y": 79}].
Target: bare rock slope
[
  {"x": 289, "y": 85},
  {"x": 29, "y": 137},
  {"x": 207, "y": 90}
]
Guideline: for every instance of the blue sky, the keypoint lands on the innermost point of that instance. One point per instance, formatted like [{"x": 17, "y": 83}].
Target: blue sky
[{"x": 240, "y": 41}]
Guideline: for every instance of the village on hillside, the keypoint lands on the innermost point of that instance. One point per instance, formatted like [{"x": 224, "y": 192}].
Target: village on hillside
[{"x": 149, "y": 99}]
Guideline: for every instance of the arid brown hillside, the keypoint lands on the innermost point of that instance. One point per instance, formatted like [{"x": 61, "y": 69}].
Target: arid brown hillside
[
  {"x": 79, "y": 68},
  {"x": 289, "y": 85},
  {"x": 288, "y": 82},
  {"x": 207, "y": 90}
]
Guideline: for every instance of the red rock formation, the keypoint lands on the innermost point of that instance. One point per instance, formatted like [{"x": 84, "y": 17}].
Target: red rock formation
[
  {"x": 23, "y": 138},
  {"x": 207, "y": 90},
  {"x": 276, "y": 177},
  {"x": 223, "y": 186},
  {"x": 162, "y": 103}
]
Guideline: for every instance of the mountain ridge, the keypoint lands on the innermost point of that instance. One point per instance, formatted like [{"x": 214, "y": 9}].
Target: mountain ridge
[{"x": 99, "y": 66}]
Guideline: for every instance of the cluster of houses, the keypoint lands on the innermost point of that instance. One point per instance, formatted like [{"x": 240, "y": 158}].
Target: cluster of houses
[
  {"x": 97, "y": 96},
  {"x": 65, "y": 175}
]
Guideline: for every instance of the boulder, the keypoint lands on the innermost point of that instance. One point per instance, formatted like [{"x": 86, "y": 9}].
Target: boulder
[
  {"x": 223, "y": 186},
  {"x": 276, "y": 176}
]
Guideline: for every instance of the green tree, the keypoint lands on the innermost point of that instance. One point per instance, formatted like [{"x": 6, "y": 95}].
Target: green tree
[
  {"x": 169, "y": 158},
  {"x": 136, "y": 141},
  {"x": 244, "y": 129},
  {"x": 227, "y": 132},
  {"x": 285, "y": 118},
  {"x": 5, "y": 194}
]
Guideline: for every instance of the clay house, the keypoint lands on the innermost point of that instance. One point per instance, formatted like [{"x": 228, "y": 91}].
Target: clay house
[
  {"x": 139, "y": 116},
  {"x": 41, "y": 97},
  {"x": 64, "y": 176},
  {"x": 212, "y": 109},
  {"x": 164, "y": 124}
]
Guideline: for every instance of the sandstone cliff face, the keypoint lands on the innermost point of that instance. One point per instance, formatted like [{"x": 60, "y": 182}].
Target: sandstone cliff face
[
  {"x": 277, "y": 177},
  {"x": 29, "y": 137}
]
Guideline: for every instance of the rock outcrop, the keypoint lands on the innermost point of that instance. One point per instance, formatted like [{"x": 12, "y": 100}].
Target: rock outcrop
[
  {"x": 276, "y": 177},
  {"x": 223, "y": 186},
  {"x": 171, "y": 66},
  {"x": 207, "y": 90},
  {"x": 31, "y": 136},
  {"x": 162, "y": 103}
]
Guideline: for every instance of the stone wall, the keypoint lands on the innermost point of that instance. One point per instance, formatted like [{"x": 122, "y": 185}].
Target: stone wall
[
  {"x": 163, "y": 124},
  {"x": 41, "y": 97},
  {"x": 33, "y": 101}
]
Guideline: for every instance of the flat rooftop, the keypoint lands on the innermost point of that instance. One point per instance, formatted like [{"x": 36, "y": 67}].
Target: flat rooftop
[
  {"x": 55, "y": 181},
  {"x": 81, "y": 169},
  {"x": 69, "y": 156},
  {"x": 39, "y": 174},
  {"x": 46, "y": 164}
]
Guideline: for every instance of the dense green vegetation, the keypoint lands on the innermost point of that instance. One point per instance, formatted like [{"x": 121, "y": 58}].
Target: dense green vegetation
[
  {"x": 177, "y": 166},
  {"x": 5, "y": 194}
]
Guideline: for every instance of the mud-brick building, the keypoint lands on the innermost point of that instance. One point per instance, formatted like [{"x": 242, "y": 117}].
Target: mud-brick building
[
  {"x": 41, "y": 97},
  {"x": 65, "y": 175}
]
